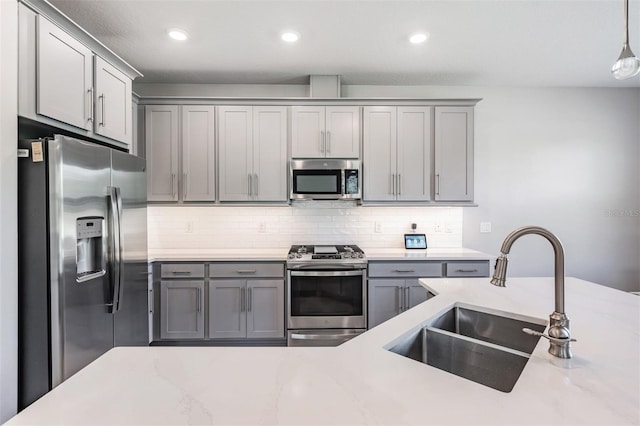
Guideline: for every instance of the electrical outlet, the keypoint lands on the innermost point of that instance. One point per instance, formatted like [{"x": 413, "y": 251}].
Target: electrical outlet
[
  {"x": 485, "y": 227},
  {"x": 438, "y": 227},
  {"x": 378, "y": 227},
  {"x": 189, "y": 227},
  {"x": 262, "y": 228},
  {"x": 448, "y": 228}
]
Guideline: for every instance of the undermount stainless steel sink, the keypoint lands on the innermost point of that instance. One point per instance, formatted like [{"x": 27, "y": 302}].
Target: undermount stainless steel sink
[{"x": 482, "y": 345}]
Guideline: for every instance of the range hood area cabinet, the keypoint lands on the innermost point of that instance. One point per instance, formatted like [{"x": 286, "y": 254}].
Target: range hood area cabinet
[
  {"x": 180, "y": 151},
  {"x": 252, "y": 143},
  {"x": 64, "y": 83},
  {"x": 325, "y": 131},
  {"x": 416, "y": 154}
]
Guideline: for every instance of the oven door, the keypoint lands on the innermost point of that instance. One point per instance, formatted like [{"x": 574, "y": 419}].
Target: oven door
[{"x": 326, "y": 299}]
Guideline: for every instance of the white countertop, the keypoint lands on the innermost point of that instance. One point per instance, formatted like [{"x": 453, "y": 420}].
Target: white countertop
[
  {"x": 426, "y": 254},
  {"x": 362, "y": 383},
  {"x": 279, "y": 254}
]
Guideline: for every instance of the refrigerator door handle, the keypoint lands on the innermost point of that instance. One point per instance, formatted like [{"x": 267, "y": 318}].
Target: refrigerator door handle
[{"x": 116, "y": 217}]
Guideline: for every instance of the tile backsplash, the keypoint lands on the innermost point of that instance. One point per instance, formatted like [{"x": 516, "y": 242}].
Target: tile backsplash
[{"x": 313, "y": 222}]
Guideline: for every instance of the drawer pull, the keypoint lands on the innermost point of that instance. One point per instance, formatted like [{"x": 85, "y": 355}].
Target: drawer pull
[
  {"x": 466, "y": 270},
  {"x": 181, "y": 272},
  {"x": 403, "y": 270},
  {"x": 245, "y": 271}
]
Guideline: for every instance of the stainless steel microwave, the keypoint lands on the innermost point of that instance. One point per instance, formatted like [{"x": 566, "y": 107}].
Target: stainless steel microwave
[{"x": 325, "y": 179}]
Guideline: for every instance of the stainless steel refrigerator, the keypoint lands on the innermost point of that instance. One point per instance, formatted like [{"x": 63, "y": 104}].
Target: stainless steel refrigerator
[{"x": 82, "y": 258}]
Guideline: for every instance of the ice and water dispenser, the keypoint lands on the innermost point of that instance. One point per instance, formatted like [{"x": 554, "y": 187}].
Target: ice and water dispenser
[{"x": 90, "y": 259}]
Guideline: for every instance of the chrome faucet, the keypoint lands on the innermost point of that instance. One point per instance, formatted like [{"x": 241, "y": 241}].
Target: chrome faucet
[{"x": 559, "y": 336}]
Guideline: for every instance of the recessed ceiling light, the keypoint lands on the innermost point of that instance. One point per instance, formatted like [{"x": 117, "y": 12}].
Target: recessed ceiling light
[
  {"x": 290, "y": 36},
  {"x": 178, "y": 34},
  {"x": 418, "y": 38}
]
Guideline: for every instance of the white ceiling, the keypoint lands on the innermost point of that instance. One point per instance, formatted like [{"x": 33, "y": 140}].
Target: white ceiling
[{"x": 477, "y": 42}]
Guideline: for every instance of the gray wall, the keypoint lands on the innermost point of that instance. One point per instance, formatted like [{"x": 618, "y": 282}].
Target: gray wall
[
  {"x": 564, "y": 159},
  {"x": 8, "y": 210}
]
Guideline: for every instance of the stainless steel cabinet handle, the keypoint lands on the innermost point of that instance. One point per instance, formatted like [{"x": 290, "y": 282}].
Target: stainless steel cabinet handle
[
  {"x": 323, "y": 146},
  {"x": 249, "y": 185},
  {"x": 102, "y": 115},
  {"x": 181, "y": 272},
  {"x": 403, "y": 270},
  {"x": 399, "y": 184},
  {"x": 173, "y": 185},
  {"x": 328, "y": 142},
  {"x": 198, "y": 299},
  {"x": 90, "y": 91},
  {"x": 438, "y": 184},
  {"x": 393, "y": 184},
  {"x": 242, "y": 300},
  {"x": 184, "y": 184},
  {"x": 466, "y": 270},
  {"x": 246, "y": 271},
  {"x": 249, "y": 299},
  {"x": 256, "y": 184},
  {"x": 399, "y": 299},
  {"x": 406, "y": 298}
]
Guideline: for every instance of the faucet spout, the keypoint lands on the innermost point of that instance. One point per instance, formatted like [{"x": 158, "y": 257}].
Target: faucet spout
[{"x": 559, "y": 322}]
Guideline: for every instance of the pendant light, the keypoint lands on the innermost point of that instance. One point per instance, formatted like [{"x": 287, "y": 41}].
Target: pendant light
[{"x": 628, "y": 64}]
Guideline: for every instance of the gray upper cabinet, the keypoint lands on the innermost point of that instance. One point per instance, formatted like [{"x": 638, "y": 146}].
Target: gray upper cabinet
[
  {"x": 397, "y": 153},
  {"x": 180, "y": 152},
  {"x": 325, "y": 132},
  {"x": 454, "y": 153},
  {"x": 113, "y": 111},
  {"x": 198, "y": 153},
  {"x": 64, "y": 76},
  {"x": 65, "y": 83},
  {"x": 253, "y": 153},
  {"x": 161, "y": 134}
]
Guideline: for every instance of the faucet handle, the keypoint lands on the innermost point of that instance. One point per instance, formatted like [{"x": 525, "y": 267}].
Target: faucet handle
[{"x": 560, "y": 341}]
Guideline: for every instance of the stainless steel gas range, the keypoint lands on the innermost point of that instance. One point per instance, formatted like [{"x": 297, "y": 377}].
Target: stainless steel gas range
[{"x": 326, "y": 294}]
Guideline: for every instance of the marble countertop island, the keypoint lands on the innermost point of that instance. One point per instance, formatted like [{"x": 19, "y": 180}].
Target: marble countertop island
[{"x": 360, "y": 382}]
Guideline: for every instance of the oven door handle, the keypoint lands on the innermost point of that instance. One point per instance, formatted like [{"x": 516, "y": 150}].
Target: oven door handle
[
  {"x": 332, "y": 273},
  {"x": 298, "y": 336}
]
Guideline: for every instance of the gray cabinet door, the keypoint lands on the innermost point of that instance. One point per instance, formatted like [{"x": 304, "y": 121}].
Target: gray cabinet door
[
  {"x": 453, "y": 153},
  {"x": 385, "y": 300},
  {"x": 236, "y": 152},
  {"x": 414, "y": 154},
  {"x": 227, "y": 309},
  {"x": 414, "y": 294},
  {"x": 342, "y": 133},
  {"x": 113, "y": 110},
  {"x": 198, "y": 153},
  {"x": 181, "y": 309},
  {"x": 64, "y": 76},
  {"x": 161, "y": 134},
  {"x": 379, "y": 153},
  {"x": 269, "y": 153},
  {"x": 307, "y": 131},
  {"x": 265, "y": 308}
]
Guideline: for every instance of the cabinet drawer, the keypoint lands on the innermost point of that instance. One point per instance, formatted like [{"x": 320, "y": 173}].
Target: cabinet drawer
[
  {"x": 182, "y": 270},
  {"x": 468, "y": 269},
  {"x": 405, "y": 269},
  {"x": 246, "y": 270}
]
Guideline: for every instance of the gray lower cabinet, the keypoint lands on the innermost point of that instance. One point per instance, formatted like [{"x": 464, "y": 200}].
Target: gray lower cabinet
[
  {"x": 394, "y": 287},
  {"x": 390, "y": 297},
  {"x": 246, "y": 308},
  {"x": 181, "y": 309}
]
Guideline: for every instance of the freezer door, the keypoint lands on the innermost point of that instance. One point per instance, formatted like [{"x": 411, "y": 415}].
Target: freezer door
[
  {"x": 131, "y": 323},
  {"x": 81, "y": 324}
]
